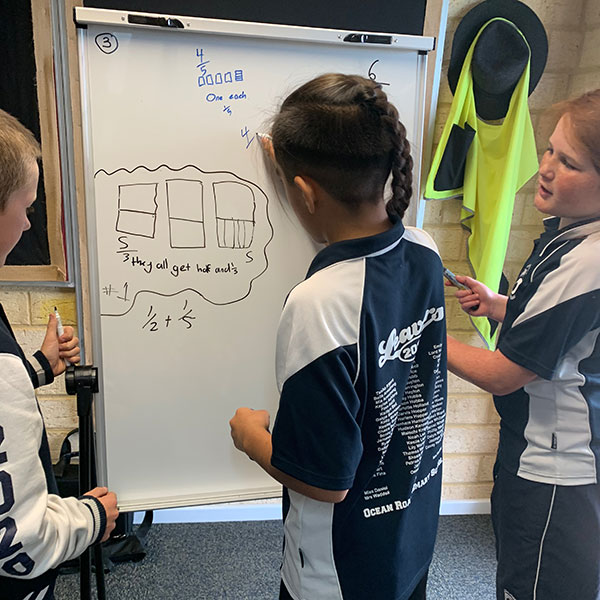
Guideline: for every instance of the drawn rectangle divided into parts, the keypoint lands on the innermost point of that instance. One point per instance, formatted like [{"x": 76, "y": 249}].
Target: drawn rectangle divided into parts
[
  {"x": 137, "y": 209},
  {"x": 235, "y": 206},
  {"x": 185, "y": 205}
]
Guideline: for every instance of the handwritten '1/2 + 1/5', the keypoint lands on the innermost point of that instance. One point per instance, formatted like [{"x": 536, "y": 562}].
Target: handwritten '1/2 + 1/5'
[{"x": 153, "y": 320}]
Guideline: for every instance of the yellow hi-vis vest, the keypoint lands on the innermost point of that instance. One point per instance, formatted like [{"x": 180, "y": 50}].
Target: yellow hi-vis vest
[{"x": 501, "y": 158}]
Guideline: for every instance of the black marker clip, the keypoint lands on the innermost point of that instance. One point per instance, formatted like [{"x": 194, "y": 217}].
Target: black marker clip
[
  {"x": 368, "y": 38},
  {"x": 156, "y": 21}
]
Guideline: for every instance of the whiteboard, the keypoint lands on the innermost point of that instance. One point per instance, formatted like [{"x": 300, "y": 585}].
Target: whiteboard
[{"x": 192, "y": 251}]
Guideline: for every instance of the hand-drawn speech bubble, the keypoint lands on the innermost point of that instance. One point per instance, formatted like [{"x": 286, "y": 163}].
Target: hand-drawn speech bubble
[{"x": 164, "y": 230}]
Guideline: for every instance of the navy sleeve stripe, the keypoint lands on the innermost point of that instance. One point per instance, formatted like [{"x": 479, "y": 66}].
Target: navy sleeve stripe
[
  {"x": 43, "y": 371},
  {"x": 98, "y": 514}
]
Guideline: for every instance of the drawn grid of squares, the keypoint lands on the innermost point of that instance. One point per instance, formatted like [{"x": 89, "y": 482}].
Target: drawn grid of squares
[{"x": 234, "y": 204}]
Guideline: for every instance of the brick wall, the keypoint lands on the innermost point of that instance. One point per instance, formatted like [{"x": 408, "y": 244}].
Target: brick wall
[
  {"x": 573, "y": 28},
  {"x": 586, "y": 76}
]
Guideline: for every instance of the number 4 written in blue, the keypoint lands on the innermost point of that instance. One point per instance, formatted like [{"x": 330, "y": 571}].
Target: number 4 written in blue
[{"x": 245, "y": 133}]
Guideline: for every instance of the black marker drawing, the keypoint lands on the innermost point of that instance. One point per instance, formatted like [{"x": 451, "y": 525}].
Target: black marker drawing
[
  {"x": 185, "y": 207},
  {"x": 235, "y": 207},
  {"x": 187, "y": 317},
  {"x": 372, "y": 75},
  {"x": 151, "y": 321},
  {"x": 137, "y": 209},
  {"x": 107, "y": 42},
  {"x": 174, "y": 230}
]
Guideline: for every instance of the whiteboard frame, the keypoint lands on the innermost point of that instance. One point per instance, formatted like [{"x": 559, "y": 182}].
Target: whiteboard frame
[
  {"x": 84, "y": 16},
  {"x": 88, "y": 16},
  {"x": 91, "y": 238}
]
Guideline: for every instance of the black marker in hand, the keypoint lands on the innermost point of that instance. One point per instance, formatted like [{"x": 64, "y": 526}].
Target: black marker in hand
[{"x": 451, "y": 277}]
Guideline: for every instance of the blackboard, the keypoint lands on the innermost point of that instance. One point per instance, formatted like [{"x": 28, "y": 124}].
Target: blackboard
[
  {"x": 396, "y": 16},
  {"x": 192, "y": 251}
]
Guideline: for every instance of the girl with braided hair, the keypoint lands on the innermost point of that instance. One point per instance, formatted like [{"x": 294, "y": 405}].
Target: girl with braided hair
[{"x": 361, "y": 364}]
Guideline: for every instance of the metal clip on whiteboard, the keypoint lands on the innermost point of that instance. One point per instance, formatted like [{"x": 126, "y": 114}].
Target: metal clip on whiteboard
[
  {"x": 156, "y": 21},
  {"x": 368, "y": 38}
]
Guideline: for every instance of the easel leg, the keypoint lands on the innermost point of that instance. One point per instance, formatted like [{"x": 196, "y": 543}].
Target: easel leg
[
  {"x": 98, "y": 555},
  {"x": 84, "y": 382}
]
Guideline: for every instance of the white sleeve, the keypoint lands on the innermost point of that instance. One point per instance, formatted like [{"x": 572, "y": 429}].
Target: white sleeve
[
  {"x": 38, "y": 530},
  {"x": 421, "y": 237}
]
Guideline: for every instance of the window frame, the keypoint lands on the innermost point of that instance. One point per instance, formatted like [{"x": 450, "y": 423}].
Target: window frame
[{"x": 49, "y": 85}]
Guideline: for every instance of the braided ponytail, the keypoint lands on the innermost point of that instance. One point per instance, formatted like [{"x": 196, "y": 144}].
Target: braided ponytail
[
  {"x": 342, "y": 131},
  {"x": 402, "y": 164},
  {"x": 401, "y": 159}
]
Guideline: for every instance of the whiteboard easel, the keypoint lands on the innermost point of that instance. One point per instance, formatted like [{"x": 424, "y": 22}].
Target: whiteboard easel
[{"x": 191, "y": 251}]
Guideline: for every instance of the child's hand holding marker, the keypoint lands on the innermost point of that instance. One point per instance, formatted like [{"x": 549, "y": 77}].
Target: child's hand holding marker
[
  {"x": 467, "y": 297},
  {"x": 475, "y": 298},
  {"x": 60, "y": 346},
  {"x": 452, "y": 280},
  {"x": 266, "y": 141}
]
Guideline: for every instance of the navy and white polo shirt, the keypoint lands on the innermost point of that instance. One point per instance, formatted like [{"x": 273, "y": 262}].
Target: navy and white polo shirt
[
  {"x": 550, "y": 429},
  {"x": 361, "y": 368}
]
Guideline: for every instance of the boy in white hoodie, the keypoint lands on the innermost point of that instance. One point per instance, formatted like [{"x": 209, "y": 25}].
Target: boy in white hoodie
[{"x": 38, "y": 529}]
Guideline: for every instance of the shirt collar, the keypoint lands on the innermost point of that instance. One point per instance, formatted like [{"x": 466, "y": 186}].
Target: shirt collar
[
  {"x": 587, "y": 226},
  {"x": 357, "y": 248},
  {"x": 581, "y": 229}
]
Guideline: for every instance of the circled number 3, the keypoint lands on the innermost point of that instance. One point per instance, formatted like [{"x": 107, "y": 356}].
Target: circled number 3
[{"x": 107, "y": 42}]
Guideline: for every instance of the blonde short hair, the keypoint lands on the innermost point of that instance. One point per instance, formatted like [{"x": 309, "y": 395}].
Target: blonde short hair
[{"x": 18, "y": 151}]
